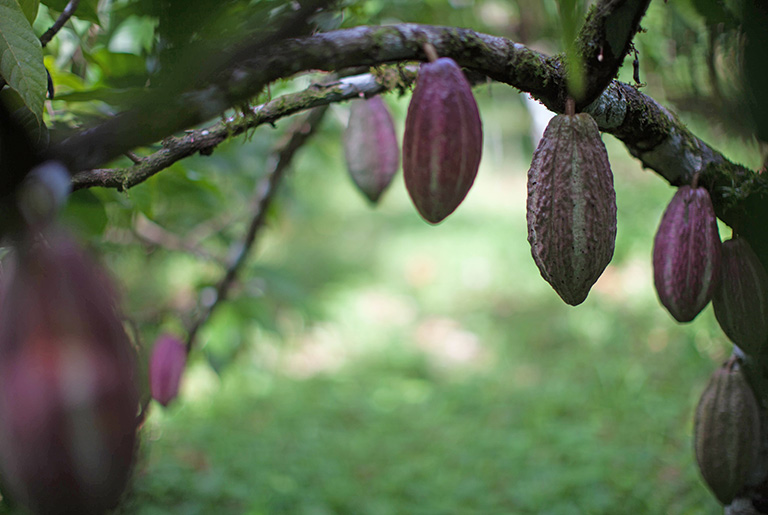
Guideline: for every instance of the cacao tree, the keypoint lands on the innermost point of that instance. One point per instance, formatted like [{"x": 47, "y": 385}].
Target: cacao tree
[{"x": 100, "y": 98}]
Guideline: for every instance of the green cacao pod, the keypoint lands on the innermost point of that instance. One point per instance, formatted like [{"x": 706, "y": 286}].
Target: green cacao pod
[
  {"x": 443, "y": 140},
  {"x": 686, "y": 253},
  {"x": 740, "y": 299},
  {"x": 727, "y": 432},
  {"x": 370, "y": 147},
  {"x": 571, "y": 209}
]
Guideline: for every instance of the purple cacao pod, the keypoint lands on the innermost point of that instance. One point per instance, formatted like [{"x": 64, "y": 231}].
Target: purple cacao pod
[
  {"x": 740, "y": 299},
  {"x": 443, "y": 140},
  {"x": 370, "y": 147},
  {"x": 571, "y": 208},
  {"x": 68, "y": 397},
  {"x": 686, "y": 254},
  {"x": 727, "y": 432},
  {"x": 166, "y": 366}
]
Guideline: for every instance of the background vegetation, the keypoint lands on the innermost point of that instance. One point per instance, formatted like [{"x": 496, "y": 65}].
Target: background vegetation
[
  {"x": 370, "y": 363},
  {"x": 405, "y": 368}
]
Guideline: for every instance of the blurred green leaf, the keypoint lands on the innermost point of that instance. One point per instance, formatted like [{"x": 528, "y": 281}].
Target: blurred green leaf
[
  {"x": 222, "y": 337},
  {"x": 30, "y": 9},
  {"x": 187, "y": 197},
  {"x": 257, "y": 310},
  {"x": 36, "y": 129},
  {"x": 754, "y": 24},
  {"x": 21, "y": 57},
  {"x": 135, "y": 35},
  {"x": 143, "y": 196},
  {"x": 111, "y": 96},
  {"x": 120, "y": 70},
  {"x": 571, "y": 19},
  {"x": 715, "y": 12},
  {"x": 86, "y": 213}
]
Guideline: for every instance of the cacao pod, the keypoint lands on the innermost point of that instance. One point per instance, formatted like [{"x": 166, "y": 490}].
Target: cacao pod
[
  {"x": 68, "y": 397},
  {"x": 443, "y": 140},
  {"x": 740, "y": 299},
  {"x": 686, "y": 253},
  {"x": 727, "y": 432},
  {"x": 166, "y": 366},
  {"x": 370, "y": 147},
  {"x": 571, "y": 208}
]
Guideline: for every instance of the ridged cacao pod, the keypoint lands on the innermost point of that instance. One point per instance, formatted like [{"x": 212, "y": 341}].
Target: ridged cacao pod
[
  {"x": 740, "y": 299},
  {"x": 686, "y": 253},
  {"x": 443, "y": 140},
  {"x": 166, "y": 366},
  {"x": 68, "y": 396},
  {"x": 727, "y": 433},
  {"x": 370, "y": 147},
  {"x": 571, "y": 209}
]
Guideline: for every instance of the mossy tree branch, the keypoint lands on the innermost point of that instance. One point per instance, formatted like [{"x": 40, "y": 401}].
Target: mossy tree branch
[
  {"x": 650, "y": 132},
  {"x": 604, "y": 41},
  {"x": 205, "y": 140}
]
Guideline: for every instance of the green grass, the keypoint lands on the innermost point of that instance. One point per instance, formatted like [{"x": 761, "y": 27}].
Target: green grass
[{"x": 432, "y": 370}]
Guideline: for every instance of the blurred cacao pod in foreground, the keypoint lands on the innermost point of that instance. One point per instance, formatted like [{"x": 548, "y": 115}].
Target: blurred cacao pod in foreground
[
  {"x": 740, "y": 299},
  {"x": 166, "y": 366},
  {"x": 68, "y": 398},
  {"x": 686, "y": 253},
  {"x": 443, "y": 140},
  {"x": 370, "y": 147},
  {"x": 571, "y": 208},
  {"x": 727, "y": 433}
]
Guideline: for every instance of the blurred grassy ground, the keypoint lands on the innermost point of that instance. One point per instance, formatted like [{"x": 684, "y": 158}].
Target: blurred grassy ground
[{"x": 434, "y": 371}]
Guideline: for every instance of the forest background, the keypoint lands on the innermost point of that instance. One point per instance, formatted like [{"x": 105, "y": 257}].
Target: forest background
[{"x": 367, "y": 362}]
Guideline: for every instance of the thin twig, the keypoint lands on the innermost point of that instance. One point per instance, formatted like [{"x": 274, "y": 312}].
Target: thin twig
[
  {"x": 151, "y": 233},
  {"x": 133, "y": 156},
  {"x": 63, "y": 18},
  {"x": 278, "y": 163}
]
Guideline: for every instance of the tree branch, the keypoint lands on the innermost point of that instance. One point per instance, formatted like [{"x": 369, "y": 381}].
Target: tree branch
[
  {"x": 650, "y": 132},
  {"x": 63, "y": 18},
  {"x": 664, "y": 144},
  {"x": 161, "y": 114},
  {"x": 175, "y": 105},
  {"x": 278, "y": 163},
  {"x": 604, "y": 41},
  {"x": 205, "y": 140}
]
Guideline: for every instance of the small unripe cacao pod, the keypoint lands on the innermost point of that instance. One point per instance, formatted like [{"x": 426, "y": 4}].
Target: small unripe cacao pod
[
  {"x": 571, "y": 209},
  {"x": 68, "y": 393},
  {"x": 686, "y": 253},
  {"x": 727, "y": 432},
  {"x": 166, "y": 366},
  {"x": 740, "y": 299},
  {"x": 443, "y": 140},
  {"x": 370, "y": 147}
]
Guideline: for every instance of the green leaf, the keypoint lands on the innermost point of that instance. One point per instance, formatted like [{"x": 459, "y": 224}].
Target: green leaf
[
  {"x": 112, "y": 96},
  {"x": 143, "y": 198},
  {"x": 135, "y": 35},
  {"x": 571, "y": 19},
  {"x": 36, "y": 129},
  {"x": 715, "y": 13},
  {"x": 86, "y": 9},
  {"x": 21, "y": 57},
  {"x": 86, "y": 212},
  {"x": 120, "y": 70},
  {"x": 29, "y": 7}
]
